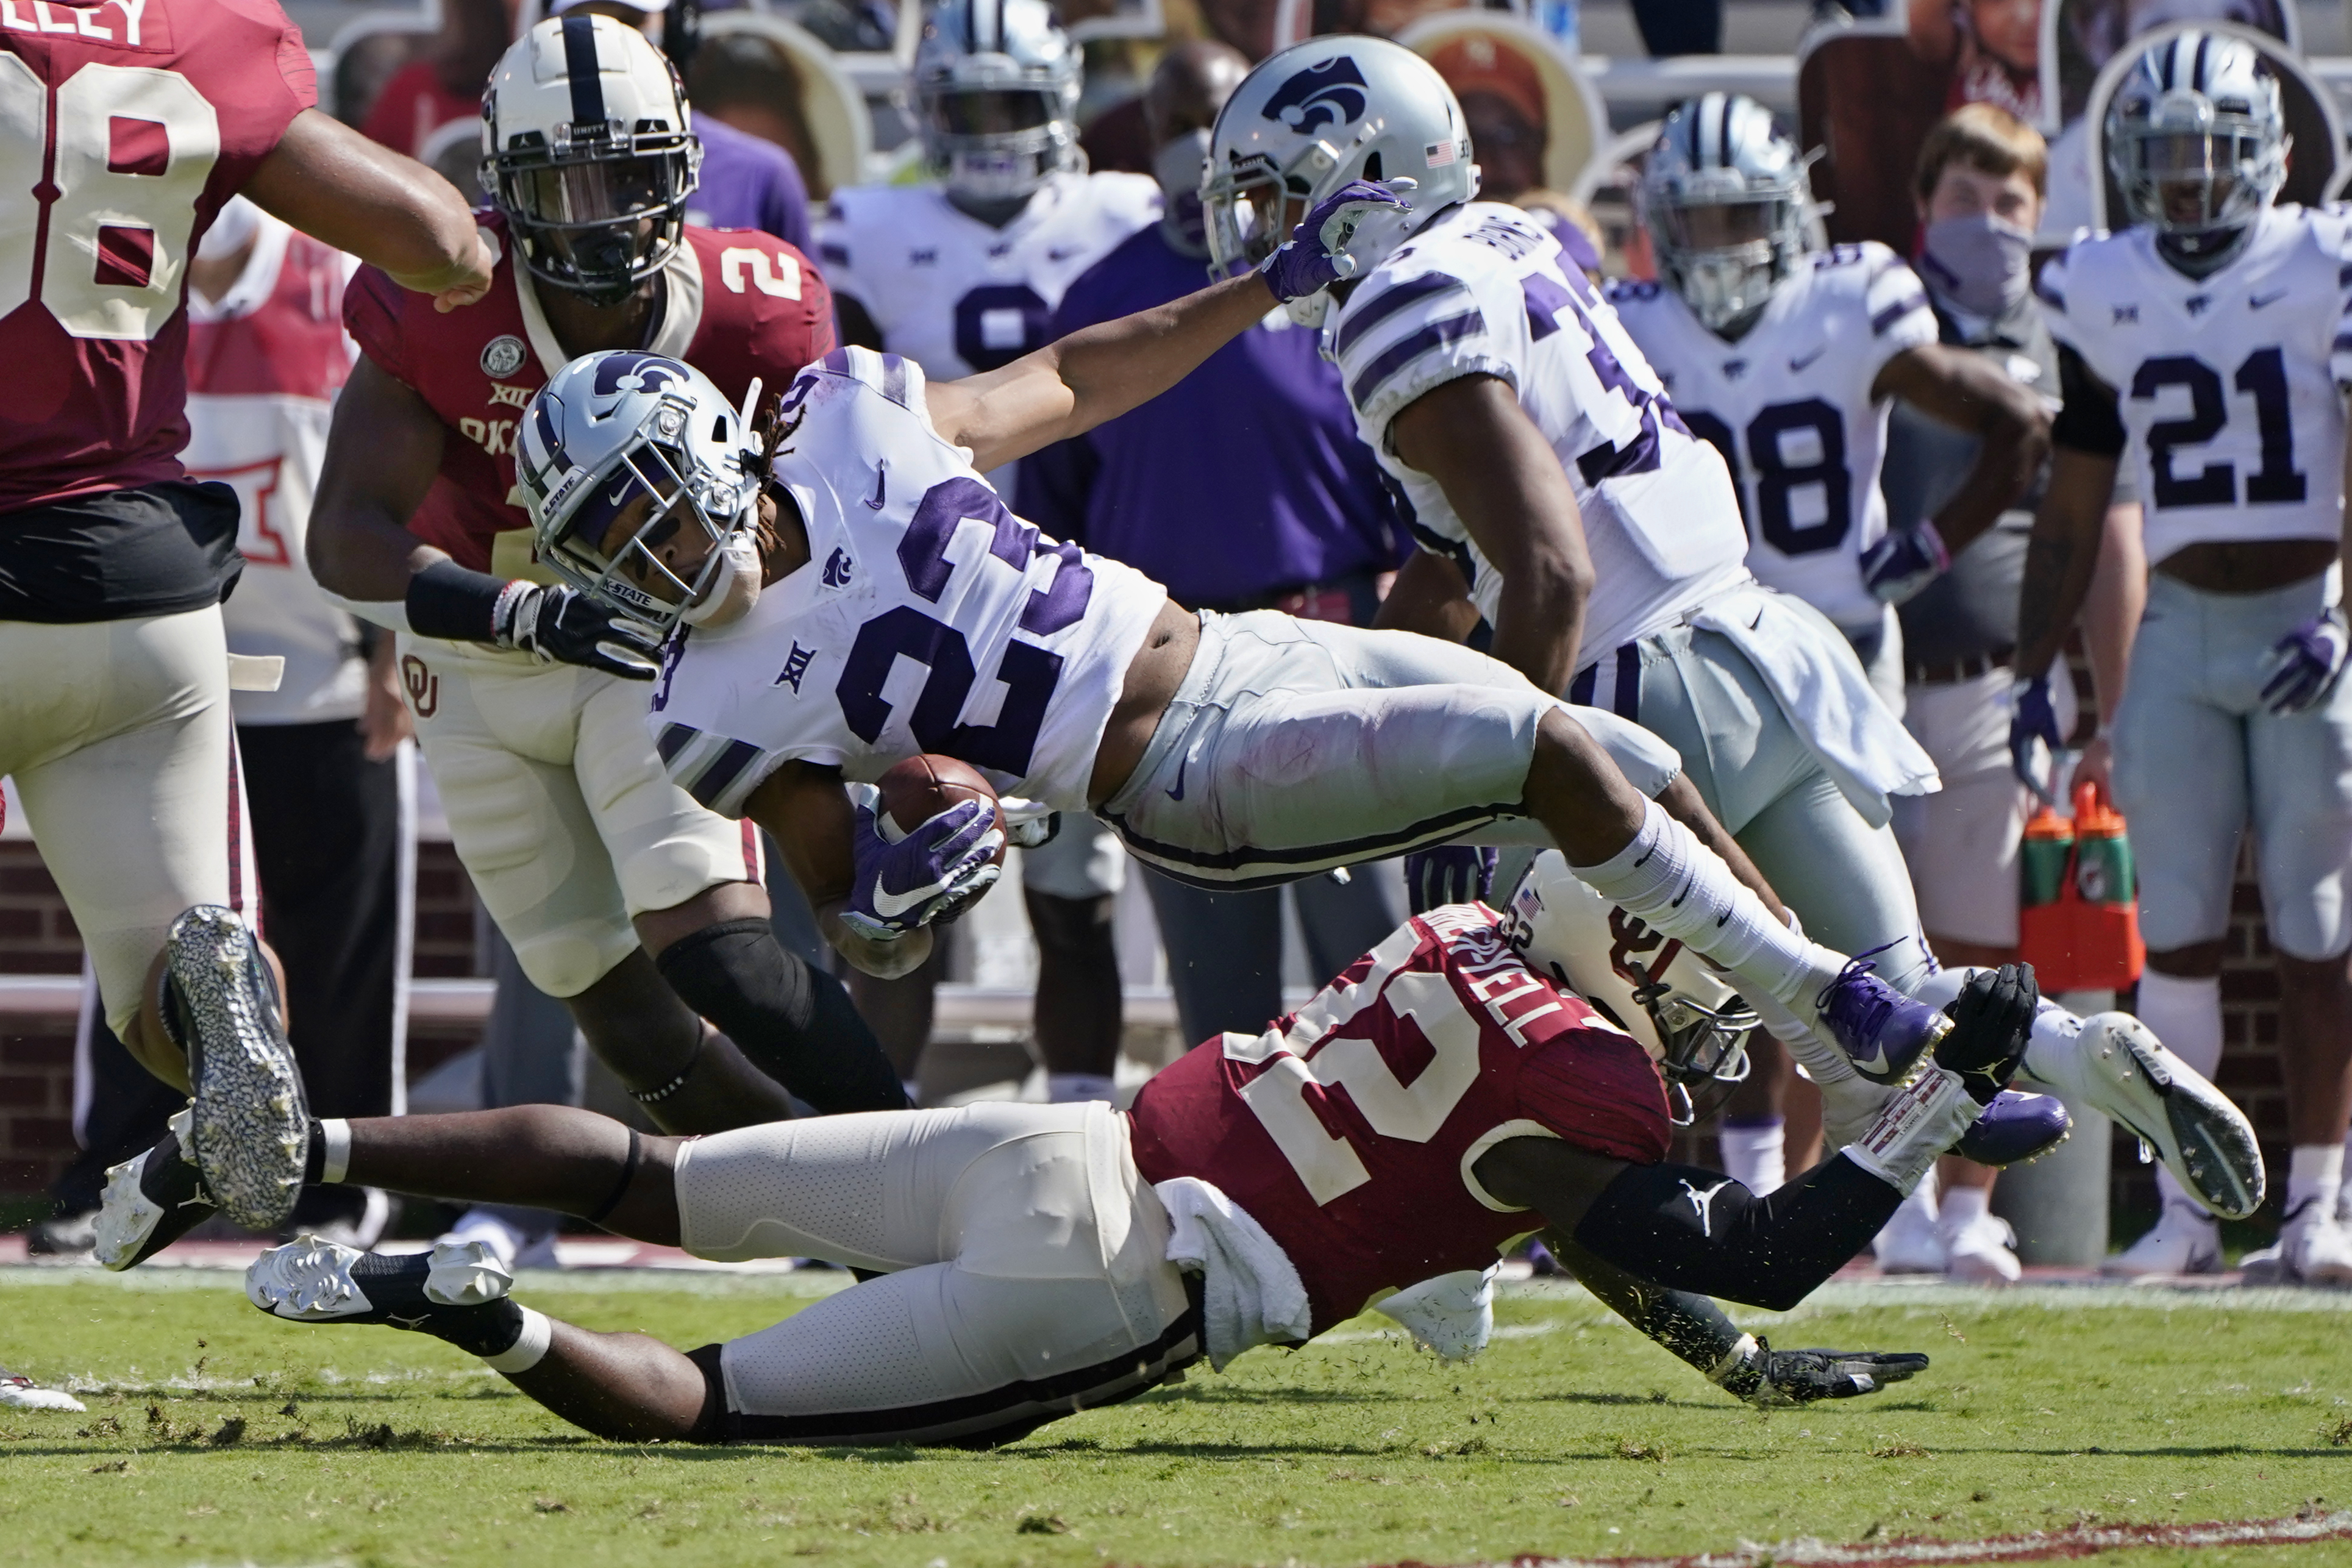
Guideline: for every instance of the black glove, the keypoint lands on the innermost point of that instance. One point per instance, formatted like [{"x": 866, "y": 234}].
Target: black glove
[
  {"x": 1771, "y": 1377},
  {"x": 1449, "y": 874},
  {"x": 561, "y": 625},
  {"x": 1994, "y": 1018}
]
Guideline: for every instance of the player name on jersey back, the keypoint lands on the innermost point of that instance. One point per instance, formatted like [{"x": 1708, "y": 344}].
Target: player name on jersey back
[
  {"x": 2227, "y": 385},
  {"x": 1789, "y": 405},
  {"x": 927, "y": 617}
]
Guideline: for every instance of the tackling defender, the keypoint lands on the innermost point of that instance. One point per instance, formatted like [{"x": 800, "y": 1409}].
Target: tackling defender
[
  {"x": 133, "y": 126},
  {"x": 620, "y": 895}
]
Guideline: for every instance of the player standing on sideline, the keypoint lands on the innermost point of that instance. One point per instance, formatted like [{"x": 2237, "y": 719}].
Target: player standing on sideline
[
  {"x": 1787, "y": 357},
  {"x": 2210, "y": 341},
  {"x": 962, "y": 277},
  {"x": 134, "y": 126},
  {"x": 607, "y": 881}
]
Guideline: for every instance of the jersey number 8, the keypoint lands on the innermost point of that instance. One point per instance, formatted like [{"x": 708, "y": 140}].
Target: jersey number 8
[{"x": 133, "y": 147}]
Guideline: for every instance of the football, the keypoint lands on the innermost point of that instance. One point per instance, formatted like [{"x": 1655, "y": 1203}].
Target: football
[{"x": 915, "y": 791}]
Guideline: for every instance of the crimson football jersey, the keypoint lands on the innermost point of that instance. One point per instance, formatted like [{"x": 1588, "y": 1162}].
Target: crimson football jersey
[
  {"x": 737, "y": 304},
  {"x": 1348, "y": 1130},
  {"x": 126, "y": 126}
]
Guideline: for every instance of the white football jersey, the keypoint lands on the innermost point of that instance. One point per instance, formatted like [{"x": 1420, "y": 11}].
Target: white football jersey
[
  {"x": 1484, "y": 290},
  {"x": 928, "y": 618},
  {"x": 1790, "y": 407},
  {"x": 2227, "y": 384},
  {"x": 957, "y": 297}
]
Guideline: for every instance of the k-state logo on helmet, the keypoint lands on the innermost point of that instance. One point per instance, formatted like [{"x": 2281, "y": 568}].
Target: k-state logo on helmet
[
  {"x": 1331, "y": 93},
  {"x": 636, "y": 373}
]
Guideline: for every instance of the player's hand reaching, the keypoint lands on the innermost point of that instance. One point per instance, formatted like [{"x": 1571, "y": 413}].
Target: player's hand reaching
[
  {"x": 1316, "y": 255},
  {"x": 1899, "y": 565},
  {"x": 1994, "y": 1017},
  {"x": 904, "y": 882},
  {"x": 2303, "y": 666},
  {"x": 1771, "y": 1377},
  {"x": 563, "y": 626},
  {"x": 2033, "y": 737},
  {"x": 1449, "y": 874}
]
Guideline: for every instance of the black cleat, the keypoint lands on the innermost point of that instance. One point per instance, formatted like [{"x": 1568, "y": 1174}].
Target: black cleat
[
  {"x": 151, "y": 1200},
  {"x": 251, "y": 1130}
]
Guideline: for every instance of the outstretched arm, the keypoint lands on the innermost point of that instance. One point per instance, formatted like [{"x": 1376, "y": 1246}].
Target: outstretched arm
[
  {"x": 336, "y": 185},
  {"x": 2064, "y": 550}
]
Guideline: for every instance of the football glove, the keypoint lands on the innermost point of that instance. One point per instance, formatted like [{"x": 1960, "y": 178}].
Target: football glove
[
  {"x": 1449, "y": 874},
  {"x": 2302, "y": 666},
  {"x": 1769, "y": 1377},
  {"x": 2033, "y": 737},
  {"x": 904, "y": 882},
  {"x": 560, "y": 625},
  {"x": 1316, "y": 256},
  {"x": 1899, "y": 565}
]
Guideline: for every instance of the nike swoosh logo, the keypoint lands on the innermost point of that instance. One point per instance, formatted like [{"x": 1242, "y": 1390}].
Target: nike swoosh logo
[
  {"x": 1176, "y": 790},
  {"x": 890, "y": 906},
  {"x": 881, "y": 478},
  {"x": 2259, "y": 300},
  {"x": 618, "y": 496},
  {"x": 1797, "y": 364}
]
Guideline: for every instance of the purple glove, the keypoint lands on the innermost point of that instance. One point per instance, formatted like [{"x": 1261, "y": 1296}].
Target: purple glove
[
  {"x": 2033, "y": 737},
  {"x": 1315, "y": 257},
  {"x": 2302, "y": 665},
  {"x": 1899, "y": 565},
  {"x": 906, "y": 882},
  {"x": 1449, "y": 874}
]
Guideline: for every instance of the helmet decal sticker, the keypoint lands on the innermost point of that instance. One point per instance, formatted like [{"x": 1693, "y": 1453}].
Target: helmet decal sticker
[{"x": 1331, "y": 93}]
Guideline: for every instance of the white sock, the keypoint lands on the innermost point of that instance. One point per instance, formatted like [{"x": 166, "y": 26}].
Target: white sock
[
  {"x": 1679, "y": 887},
  {"x": 2314, "y": 1175},
  {"x": 2186, "y": 1015},
  {"x": 335, "y": 1150},
  {"x": 2178, "y": 1207},
  {"x": 1069, "y": 1088},
  {"x": 1755, "y": 1154},
  {"x": 913, "y": 1097},
  {"x": 1917, "y": 1209},
  {"x": 527, "y": 1351},
  {"x": 1956, "y": 1208}
]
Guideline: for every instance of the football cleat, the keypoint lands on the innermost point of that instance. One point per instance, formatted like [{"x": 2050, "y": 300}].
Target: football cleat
[
  {"x": 2120, "y": 1067},
  {"x": 251, "y": 1130},
  {"x": 19, "y": 1393},
  {"x": 1981, "y": 1252},
  {"x": 2015, "y": 1128},
  {"x": 1907, "y": 1243},
  {"x": 2184, "y": 1240},
  {"x": 1883, "y": 1032},
  {"x": 2312, "y": 1249},
  {"x": 153, "y": 1201},
  {"x": 1777, "y": 1379},
  {"x": 309, "y": 1280}
]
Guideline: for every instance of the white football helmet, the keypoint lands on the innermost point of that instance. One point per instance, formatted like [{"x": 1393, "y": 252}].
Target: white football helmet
[
  {"x": 619, "y": 426},
  {"x": 996, "y": 85},
  {"x": 1727, "y": 206},
  {"x": 589, "y": 149},
  {"x": 1657, "y": 990},
  {"x": 2196, "y": 134},
  {"x": 1316, "y": 116}
]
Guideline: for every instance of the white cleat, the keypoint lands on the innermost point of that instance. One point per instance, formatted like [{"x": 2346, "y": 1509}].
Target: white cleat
[
  {"x": 22, "y": 1394},
  {"x": 2313, "y": 1248},
  {"x": 2184, "y": 1240},
  {"x": 309, "y": 1280},
  {"x": 1981, "y": 1252},
  {"x": 2120, "y": 1067},
  {"x": 151, "y": 1200},
  {"x": 1908, "y": 1243}
]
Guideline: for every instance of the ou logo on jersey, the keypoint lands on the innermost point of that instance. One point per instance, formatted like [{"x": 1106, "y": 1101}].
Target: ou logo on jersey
[
  {"x": 424, "y": 686},
  {"x": 1331, "y": 93}
]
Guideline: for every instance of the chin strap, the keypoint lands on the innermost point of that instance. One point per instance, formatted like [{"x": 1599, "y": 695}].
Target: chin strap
[{"x": 2202, "y": 254}]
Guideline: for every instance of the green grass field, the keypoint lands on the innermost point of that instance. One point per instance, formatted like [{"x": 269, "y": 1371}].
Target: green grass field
[{"x": 215, "y": 1434}]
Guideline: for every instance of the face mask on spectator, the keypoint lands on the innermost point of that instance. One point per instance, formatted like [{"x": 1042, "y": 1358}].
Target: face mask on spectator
[
  {"x": 1978, "y": 263},
  {"x": 1178, "y": 168}
]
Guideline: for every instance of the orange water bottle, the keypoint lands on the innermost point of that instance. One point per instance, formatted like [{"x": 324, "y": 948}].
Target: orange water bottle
[{"x": 2078, "y": 915}]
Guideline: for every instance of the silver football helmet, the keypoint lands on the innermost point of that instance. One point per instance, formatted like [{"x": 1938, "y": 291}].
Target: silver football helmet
[
  {"x": 621, "y": 433},
  {"x": 1656, "y": 989},
  {"x": 1727, "y": 206},
  {"x": 996, "y": 85},
  {"x": 1316, "y": 116},
  {"x": 2196, "y": 134},
  {"x": 588, "y": 150}
]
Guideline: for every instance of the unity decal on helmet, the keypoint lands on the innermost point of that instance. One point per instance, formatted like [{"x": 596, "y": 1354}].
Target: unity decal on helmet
[{"x": 1331, "y": 93}]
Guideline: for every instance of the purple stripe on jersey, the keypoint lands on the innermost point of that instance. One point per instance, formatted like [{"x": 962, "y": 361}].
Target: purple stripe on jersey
[
  {"x": 894, "y": 379},
  {"x": 1381, "y": 307},
  {"x": 1629, "y": 683},
  {"x": 833, "y": 253},
  {"x": 2343, "y": 341},
  {"x": 674, "y": 738},
  {"x": 1403, "y": 351},
  {"x": 1896, "y": 312},
  {"x": 1545, "y": 299},
  {"x": 722, "y": 771},
  {"x": 837, "y": 361},
  {"x": 1580, "y": 691},
  {"x": 1170, "y": 859}
]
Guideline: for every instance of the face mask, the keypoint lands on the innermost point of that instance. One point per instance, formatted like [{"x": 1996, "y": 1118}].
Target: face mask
[
  {"x": 1978, "y": 263},
  {"x": 1178, "y": 168},
  {"x": 735, "y": 589}
]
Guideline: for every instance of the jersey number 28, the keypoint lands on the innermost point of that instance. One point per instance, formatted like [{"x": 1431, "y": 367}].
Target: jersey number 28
[{"x": 1791, "y": 447}]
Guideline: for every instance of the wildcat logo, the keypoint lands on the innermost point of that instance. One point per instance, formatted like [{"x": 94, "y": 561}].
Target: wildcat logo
[
  {"x": 424, "y": 686},
  {"x": 1333, "y": 93},
  {"x": 637, "y": 372},
  {"x": 837, "y": 568},
  {"x": 1630, "y": 938}
]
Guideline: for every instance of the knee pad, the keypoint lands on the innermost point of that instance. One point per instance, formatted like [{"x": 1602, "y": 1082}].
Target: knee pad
[{"x": 796, "y": 1023}]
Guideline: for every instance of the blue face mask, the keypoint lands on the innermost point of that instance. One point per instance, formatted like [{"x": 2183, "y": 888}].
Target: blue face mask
[
  {"x": 1178, "y": 167},
  {"x": 1978, "y": 263}
]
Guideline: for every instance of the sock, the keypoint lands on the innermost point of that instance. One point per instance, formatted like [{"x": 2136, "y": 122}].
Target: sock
[
  {"x": 533, "y": 1334},
  {"x": 2186, "y": 1015},
  {"x": 1070, "y": 1088},
  {"x": 795, "y": 1024},
  {"x": 1754, "y": 1152},
  {"x": 906, "y": 1087},
  {"x": 330, "y": 1159},
  {"x": 2314, "y": 1176},
  {"x": 1682, "y": 888},
  {"x": 1917, "y": 1212},
  {"x": 1956, "y": 1208}
]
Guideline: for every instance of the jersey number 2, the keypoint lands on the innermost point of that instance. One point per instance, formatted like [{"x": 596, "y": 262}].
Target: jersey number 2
[{"x": 133, "y": 146}]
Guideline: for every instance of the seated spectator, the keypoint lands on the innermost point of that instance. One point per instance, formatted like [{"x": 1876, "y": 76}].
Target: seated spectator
[{"x": 446, "y": 85}]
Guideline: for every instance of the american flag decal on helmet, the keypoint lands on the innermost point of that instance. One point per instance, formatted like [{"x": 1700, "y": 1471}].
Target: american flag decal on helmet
[{"x": 1439, "y": 154}]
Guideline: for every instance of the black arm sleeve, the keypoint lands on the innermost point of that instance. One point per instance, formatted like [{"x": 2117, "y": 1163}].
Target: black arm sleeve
[
  {"x": 1689, "y": 1230},
  {"x": 1693, "y": 1328},
  {"x": 2089, "y": 421}
]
